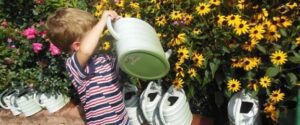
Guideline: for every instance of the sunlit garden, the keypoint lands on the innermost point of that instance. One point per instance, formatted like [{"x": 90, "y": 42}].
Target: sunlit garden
[{"x": 234, "y": 61}]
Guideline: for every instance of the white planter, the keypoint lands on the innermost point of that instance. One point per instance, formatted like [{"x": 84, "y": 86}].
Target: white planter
[
  {"x": 149, "y": 105},
  {"x": 239, "y": 117},
  {"x": 5, "y": 101},
  {"x": 52, "y": 102},
  {"x": 26, "y": 104},
  {"x": 176, "y": 112}
]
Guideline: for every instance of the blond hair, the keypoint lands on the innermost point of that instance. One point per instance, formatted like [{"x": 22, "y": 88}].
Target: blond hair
[{"x": 67, "y": 25}]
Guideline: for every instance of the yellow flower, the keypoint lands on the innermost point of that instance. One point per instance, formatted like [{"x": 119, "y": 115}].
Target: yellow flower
[
  {"x": 248, "y": 64},
  {"x": 241, "y": 4},
  {"x": 221, "y": 20},
  {"x": 98, "y": 13},
  {"x": 269, "y": 107},
  {"x": 120, "y": 3},
  {"x": 179, "y": 71},
  {"x": 269, "y": 25},
  {"x": 283, "y": 9},
  {"x": 183, "y": 52},
  {"x": 298, "y": 40},
  {"x": 176, "y": 15},
  {"x": 203, "y": 9},
  {"x": 161, "y": 20},
  {"x": 134, "y": 5},
  {"x": 233, "y": 19},
  {"x": 263, "y": 15},
  {"x": 271, "y": 111},
  {"x": 276, "y": 96},
  {"x": 215, "y": 2},
  {"x": 249, "y": 45},
  {"x": 188, "y": 18},
  {"x": 278, "y": 57},
  {"x": 178, "y": 83},
  {"x": 241, "y": 27},
  {"x": 285, "y": 22},
  {"x": 197, "y": 31},
  {"x": 291, "y": 5},
  {"x": 265, "y": 81},
  {"x": 272, "y": 36},
  {"x": 198, "y": 59},
  {"x": 99, "y": 6},
  {"x": 236, "y": 63},
  {"x": 179, "y": 39},
  {"x": 253, "y": 85},
  {"x": 233, "y": 85},
  {"x": 106, "y": 45},
  {"x": 192, "y": 72},
  {"x": 257, "y": 32}
]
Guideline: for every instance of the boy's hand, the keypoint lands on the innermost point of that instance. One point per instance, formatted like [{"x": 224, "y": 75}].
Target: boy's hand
[{"x": 112, "y": 14}]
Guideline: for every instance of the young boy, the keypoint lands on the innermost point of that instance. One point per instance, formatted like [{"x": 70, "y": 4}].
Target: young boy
[{"x": 93, "y": 74}]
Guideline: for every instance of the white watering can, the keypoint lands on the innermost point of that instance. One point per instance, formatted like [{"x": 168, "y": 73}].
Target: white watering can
[
  {"x": 5, "y": 101},
  {"x": 52, "y": 102},
  {"x": 139, "y": 50},
  {"x": 243, "y": 109}
]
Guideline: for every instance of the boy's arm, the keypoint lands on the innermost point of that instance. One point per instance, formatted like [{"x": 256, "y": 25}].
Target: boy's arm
[{"x": 89, "y": 42}]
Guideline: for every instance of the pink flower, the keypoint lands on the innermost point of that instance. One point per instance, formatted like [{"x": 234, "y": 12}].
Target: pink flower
[
  {"x": 39, "y": 1},
  {"x": 29, "y": 33},
  {"x": 37, "y": 47},
  {"x": 54, "y": 50}
]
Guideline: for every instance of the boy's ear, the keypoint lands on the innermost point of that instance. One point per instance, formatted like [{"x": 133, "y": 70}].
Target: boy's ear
[{"x": 75, "y": 45}]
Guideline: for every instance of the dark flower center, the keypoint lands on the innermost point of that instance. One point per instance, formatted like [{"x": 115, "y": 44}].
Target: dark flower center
[
  {"x": 202, "y": 8},
  {"x": 272, "y": 33},
  {"x": 233, "y": 85},
  {"x": 278, "y": 58},
  {"x": 241, "y": 25},
  {"x": 275, "y": 95},
  {"x": 232, "y": 17},
  {"x": 255, "y": 32}
]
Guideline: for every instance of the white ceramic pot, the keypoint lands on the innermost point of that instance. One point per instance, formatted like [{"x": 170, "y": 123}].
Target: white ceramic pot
[
  {"x": 149, "y": 101},
  {"x": 139, "y": 49},
  {"x": 52, "y": 102},
  {"x": 26, "y": 104},
  {"x": 243, "y": 109},
  {"x": 174, "y": 108},
  {"x": 5, "y": 101}
]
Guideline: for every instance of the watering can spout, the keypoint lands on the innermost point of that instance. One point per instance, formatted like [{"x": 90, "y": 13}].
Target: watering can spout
[{"x": 168, "y": 53}]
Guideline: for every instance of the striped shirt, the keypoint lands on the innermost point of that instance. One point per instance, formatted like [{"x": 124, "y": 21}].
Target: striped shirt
[{"x": 99, "y": 90}]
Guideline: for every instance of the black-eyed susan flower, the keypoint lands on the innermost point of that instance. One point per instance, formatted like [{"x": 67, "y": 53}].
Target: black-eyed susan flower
[
  {"x": 198, "y": 59},
  {"x": 268, "y": 25},
  {"x": 135, "y": 5},
  {"x": 269, "y": 107},
  {"x": 257, "y": 32},
  {"x": 233, "y": 85},
  {"x": 298, "y": 40},
  {"x": 233, "y": 19},
  {"x": 187, "y": 18},
  {"x": 265, "y": 81},
  {"x": 241, "y": 28},
  {"x": 176, "y": 15},
  {"x": 271, "y": 111},
  {"x": 179, "y": 70},
  {"x": 276, "y": 96},
  {"x": 285, "y": 22},
  {"x": 241, "y": 4},
  {"x": 236, "y": 63},
  {"x": 106, "y": 45},
  {"x": 197, "y": 31},
  {"x": 253, "y": 85},
  {"x": 215, "y": 2},
  {"x": 192, "y": 72},
  {"x": 248, "y": 64},
  {"x": 272, "y": 36},
  {"x": 120, "y": 3},
  {"x": 291, "y": 5},
  {"x": 178, "y": 83},
  {"x": 283, "y": 9},
  {"x": 263, "y": 15},
  {"x": 250, "y": 45},
  {"x": 203, "y": 9},
  {"x": 278, "y": 57},
  {"x": 221, "y": 20},
  {"x": 98, "y": 13},
  {"x": 161, "y": 20},
  {"x": 183, "y": 52},
  {"x": 180, "y": 39}
]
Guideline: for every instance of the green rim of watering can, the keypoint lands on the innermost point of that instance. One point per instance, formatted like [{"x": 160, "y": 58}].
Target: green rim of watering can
[{"x": 130, "y": 63}]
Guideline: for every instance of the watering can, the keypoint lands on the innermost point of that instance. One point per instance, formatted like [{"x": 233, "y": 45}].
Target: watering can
[
  {"x": 243, "y": 109},
  {"x": 139, "y": 50}
]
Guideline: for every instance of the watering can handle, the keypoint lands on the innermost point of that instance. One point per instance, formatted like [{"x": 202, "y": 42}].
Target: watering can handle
[
  {"x": 36, "y": 99},
  {"x": 168, "y": 53},
  {"x": 1, "y": 96},
  {"x": 111, "y": 29}
]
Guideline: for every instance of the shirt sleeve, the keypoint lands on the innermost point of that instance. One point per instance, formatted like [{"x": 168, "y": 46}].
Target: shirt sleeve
[{"x": 77, "y": 73}]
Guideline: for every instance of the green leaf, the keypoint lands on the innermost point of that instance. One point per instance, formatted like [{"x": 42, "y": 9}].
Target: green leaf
[
  {"x": 272, "y": 71},
  {"x": 283, "y": 32},
  {"x": 294, "y": 59},
  {"x": 214, "y": 67},
  {"x": 292, "y": 78},
  {"x": 261, "y": 49}
]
